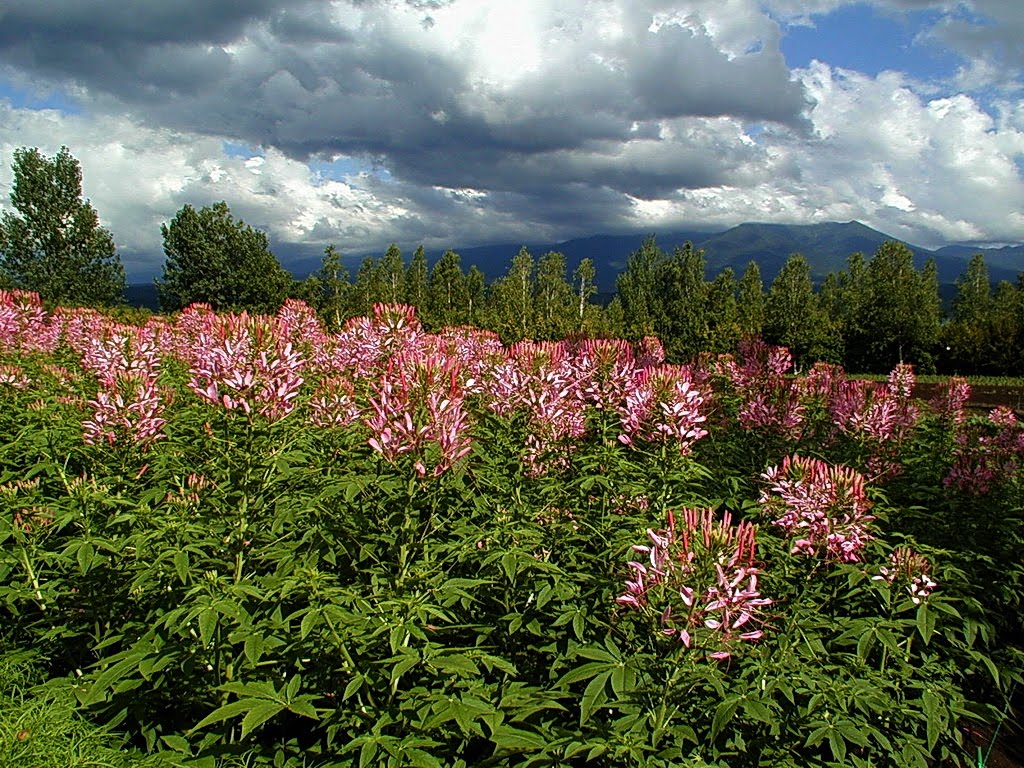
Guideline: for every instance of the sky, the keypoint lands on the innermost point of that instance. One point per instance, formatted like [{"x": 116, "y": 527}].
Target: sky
[{"x": 359, "y": 123}]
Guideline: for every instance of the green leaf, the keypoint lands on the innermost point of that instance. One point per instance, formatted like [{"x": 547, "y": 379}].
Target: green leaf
[
  {"x": 509, "y": 739},
  {"x": 367, "y": 752},
  {"x": 594, "y": 696},
  {"x": 930, "y": 703},
  {"x": 584, "y": 672},
  {"x": 181, "y": 565},
  {"x": 177, "y": 743},
  {"x": 723, "y": 714},
  {"x": 226, "y": 712},
  {"x": 207, "y": 625},
  {"x": 461, "y": 665},
  {"x": 259, "y": 714},
  {"x": 925, "y": 622},
  {"x": 86, "y": 554},
  {"x": 353, "y": 686},
  {"x": 837, "y": 744},
  {"x": 757, "y": 711},
  {"x": 308, "y": 622}
]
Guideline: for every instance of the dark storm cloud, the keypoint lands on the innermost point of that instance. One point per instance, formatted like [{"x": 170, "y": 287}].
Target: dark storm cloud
[{"x": 289, "y": 75}]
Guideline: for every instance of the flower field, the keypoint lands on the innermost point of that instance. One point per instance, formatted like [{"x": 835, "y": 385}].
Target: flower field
[{"x": 243, "y": 540}]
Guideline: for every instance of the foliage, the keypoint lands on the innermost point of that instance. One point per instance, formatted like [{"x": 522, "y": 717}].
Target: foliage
[
  {"x": 54, "y": 244},
  {"x": 264, "y": 543},
  {"x": 215, "y": 259}
]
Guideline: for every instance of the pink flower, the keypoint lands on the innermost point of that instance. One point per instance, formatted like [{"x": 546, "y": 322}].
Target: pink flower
[
  {"x": 699, "y": 583},
  {"x": 416, "y": 407},
  {"x": 663, "y": 406},
  {"x": 243, "y": 363},
  {"x": 910, "y": 570},
  {"x": 822, "y": 506},
  {"x": 24, "y": 324}
]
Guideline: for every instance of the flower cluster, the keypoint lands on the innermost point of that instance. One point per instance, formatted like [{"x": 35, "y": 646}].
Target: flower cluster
[
  {"x": 988, "y": 455},
  {"x": 698, "y": 582},
  {"x": 823, "y": 507},
  {"x": 663, "y": 405},
  {"x": 949, "y": 404},
  {"x": 880, "y": 419},
  {"x": 241, "y": 363},
  {"x": 910, "y": 570},
  {"x": 13, "y": 376},
  {"x": 128, "y": 407},
  {"x": 769, "y": 400},
  {"x": 24, "y": 326},
  {"x": 417, "y": 408}
]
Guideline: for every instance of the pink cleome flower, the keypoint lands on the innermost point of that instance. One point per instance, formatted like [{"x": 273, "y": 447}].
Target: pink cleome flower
[
  {"x": 822, "y": 507},
  {"x": 698, "y": 582}
]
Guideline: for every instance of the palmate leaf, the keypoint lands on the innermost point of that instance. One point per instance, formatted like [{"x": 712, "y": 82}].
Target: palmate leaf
[{"x": 261, "y": 703}]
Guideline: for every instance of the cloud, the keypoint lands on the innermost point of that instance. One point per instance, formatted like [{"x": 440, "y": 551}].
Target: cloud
[{"x": 472, "y": 121}]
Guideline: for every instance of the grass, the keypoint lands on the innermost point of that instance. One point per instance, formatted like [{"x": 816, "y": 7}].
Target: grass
[{"x": 40, "y": 728}]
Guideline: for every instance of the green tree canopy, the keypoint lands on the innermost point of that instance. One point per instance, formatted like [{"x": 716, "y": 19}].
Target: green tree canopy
[
  {"x": 638, "y": 290},
  {"x": 682, "y": 323},
  {"x": 553, "y": 298},
  {"x": 901, "y": 315},
  {"x": 416, "y": 279},
  {"x": 213, "y": 258},
  {"x": 750, "y": 302},
  {"x": 54, "y": 244},
  {"x": 512, "y": 299},
  {"x": 447, "y": 294}
]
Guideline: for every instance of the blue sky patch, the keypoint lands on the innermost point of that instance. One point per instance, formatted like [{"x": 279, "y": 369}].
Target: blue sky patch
[
  {"x": 859, "y": 38},
  {"x": 22, "y": 98}
]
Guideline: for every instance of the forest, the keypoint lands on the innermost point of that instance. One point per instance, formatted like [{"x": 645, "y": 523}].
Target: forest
[{"x": 879, "y": 311}]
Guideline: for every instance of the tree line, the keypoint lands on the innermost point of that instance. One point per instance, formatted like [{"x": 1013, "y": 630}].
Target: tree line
[{"x": 878, "y": 311}]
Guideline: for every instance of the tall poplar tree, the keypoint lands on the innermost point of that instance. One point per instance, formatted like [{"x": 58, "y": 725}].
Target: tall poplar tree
[
  {"x": 901, "y": 317},
  {"x": 512, "y": 299},
  {"x": 553, "y": 299},
  {"x": 791, "y": 311},
  {"x": 54, "y": 244},
  {"x": 724, "y": 330},
  {"x": 750, "y": 302},
  {"x": 333, "y": 284},
  {"x": 583, "y": 289},
  {"x": 683, "y": 322},
  {"x": 476, "y": 297},
  {"x": 639, "y": 293},
  {"x": 416, "y": 279},
  {"x": 447, "y": 297},
  {"x": 389, "y": 278}
]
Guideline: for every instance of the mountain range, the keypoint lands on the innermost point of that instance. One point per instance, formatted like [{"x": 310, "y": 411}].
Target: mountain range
[{"x": 825, "y": 246}]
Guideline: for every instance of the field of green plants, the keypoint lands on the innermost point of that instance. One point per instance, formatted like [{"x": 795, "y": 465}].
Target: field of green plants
[{"x": 233, "y": 540}]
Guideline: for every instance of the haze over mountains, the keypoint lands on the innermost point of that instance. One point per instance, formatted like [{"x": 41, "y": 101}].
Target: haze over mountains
[{"x": 825, "y": 246}]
